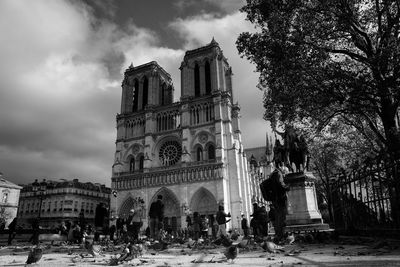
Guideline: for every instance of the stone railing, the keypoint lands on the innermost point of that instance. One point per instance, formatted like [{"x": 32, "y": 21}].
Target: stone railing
[
  {"x": 168, "y": 119},
  {"x": 168, "y": 177}
]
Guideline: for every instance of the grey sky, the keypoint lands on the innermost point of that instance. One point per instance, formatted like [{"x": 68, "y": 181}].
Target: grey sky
[{"x": 61, "y": 69}]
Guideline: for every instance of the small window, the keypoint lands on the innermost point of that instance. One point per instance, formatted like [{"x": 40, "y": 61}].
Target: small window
[
  {"x": 132, "y": 165},
  {"x": 4, "y": 198},
  {"x": 199, "y": 154},
  {"x": 141, "y": 163},
  {"x": 211, "y": 152}
]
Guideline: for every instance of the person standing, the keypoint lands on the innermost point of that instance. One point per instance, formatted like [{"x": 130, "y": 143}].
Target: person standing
[
  {"x": 99, "y": 219},
  {"x": 12, "y": 230},
  {"x": 221, "y": 220},
  {"x": 134, "y": 224},
  {"x": 215, "y": 227},
  {"x": 245, "y": 226},
  {"x": 279, "y": 199},
  {"x": 156, "y": 214},
  {"x": 254, "y": 222},
  {"x": 196, "y": 225},
  {"x": 35, "y": 232}
]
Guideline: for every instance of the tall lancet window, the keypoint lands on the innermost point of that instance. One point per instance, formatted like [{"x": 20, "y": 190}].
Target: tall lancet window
[
  {"x": 145, "y": 92},
  {"x": 141, "y": 163},
  {"x": 208, "y": 77},
  {"x": 199, "y": 154},
  {"x": 132, "y": 165},
  {"x": 163, "y": 89},
  {"x": 135, "y": 95},
  {"x": 211, "y": 152},
  {"x": 196, "y": 80}
]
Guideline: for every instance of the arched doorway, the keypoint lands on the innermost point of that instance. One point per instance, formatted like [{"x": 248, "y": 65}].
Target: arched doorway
[
  {"x": 128, "y": 204},
  {"x": 172, "y": 212},
  {"x": 204, "y": 202}
]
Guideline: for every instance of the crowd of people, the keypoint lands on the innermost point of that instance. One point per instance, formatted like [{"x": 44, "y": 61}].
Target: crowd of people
[{"x": 205, "y": 226}]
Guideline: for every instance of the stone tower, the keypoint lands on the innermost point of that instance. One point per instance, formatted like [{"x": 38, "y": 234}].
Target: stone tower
[{"x": 190, "y": 151}]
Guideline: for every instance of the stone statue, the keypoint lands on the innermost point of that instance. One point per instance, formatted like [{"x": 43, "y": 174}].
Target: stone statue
[{"x": 294, "y": 150}]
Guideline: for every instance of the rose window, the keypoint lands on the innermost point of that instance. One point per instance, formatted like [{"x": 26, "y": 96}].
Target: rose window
[{"x": 170, "y": 153}]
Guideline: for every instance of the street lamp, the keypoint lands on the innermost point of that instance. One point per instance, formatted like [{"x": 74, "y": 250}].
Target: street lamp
[{"x": 38, "y": 190}]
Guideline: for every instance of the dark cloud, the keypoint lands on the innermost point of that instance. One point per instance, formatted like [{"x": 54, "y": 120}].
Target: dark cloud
[{"x": 61, "y": 69}]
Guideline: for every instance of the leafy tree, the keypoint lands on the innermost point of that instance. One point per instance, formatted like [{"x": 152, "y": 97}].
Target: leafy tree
[
  {"x": 328, "y": 60},
  {"x": 338, "y": 147}
]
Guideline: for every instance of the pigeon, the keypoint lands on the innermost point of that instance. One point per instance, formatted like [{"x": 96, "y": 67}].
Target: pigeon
[
  {"x": 125, "y": 254},
  {"x": 226, "y": 242},
  {"x": 34, "y": 255},
  {"x": 231, "y": 252},
  {"x": 271, "y": 247},
  {"x": 141, "y": 249},
  {"x": 244, "y": 243},
  {"x": 290, "y": 238},
  {"x": 90, "y": 249},
  {"x": 160, "y": 245},
  {"x": 191, "y": 243},
  {"x": 234, "y": 236}
]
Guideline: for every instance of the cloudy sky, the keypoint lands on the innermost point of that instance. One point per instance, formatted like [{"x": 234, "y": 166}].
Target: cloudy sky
[{"x": 61, "y": 70}]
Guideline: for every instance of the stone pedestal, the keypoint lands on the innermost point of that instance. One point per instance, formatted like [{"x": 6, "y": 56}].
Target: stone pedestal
[{"x": 303, "y": 213}]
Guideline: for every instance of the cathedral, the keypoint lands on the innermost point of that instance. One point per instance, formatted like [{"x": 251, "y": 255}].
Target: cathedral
[{"x": 190, "y": 151}]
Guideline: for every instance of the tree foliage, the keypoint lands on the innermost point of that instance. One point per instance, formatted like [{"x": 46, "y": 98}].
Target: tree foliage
[{"x": 329, "y": 60}]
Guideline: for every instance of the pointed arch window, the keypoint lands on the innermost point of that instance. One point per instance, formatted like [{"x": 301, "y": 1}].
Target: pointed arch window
[
  {"x": 132, "y": 165},
  {"x": 141, "y": 162},
  {"x": 196, "y": 80},
  {"x": 163, "y": 89},
  {"x": 211, "y": 152},
  {"x": 135, "y": 95},
  {"x": 145, "y": 92},
  {"x": 208, "y": 77},
  {"x": 199, "y": 154}
]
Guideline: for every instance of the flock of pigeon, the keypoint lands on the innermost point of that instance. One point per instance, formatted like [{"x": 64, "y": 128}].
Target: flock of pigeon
[{"x": 232, "y": 246}]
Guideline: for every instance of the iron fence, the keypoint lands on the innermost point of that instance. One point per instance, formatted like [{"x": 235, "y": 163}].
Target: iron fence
[{"x": 367, "y": 197}]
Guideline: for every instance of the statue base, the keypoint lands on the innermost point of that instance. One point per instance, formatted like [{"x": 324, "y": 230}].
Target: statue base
[{"x": 303, "y": 213}]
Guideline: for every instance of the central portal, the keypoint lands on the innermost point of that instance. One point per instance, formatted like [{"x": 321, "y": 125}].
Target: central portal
[{"x": 172, "y": 212}]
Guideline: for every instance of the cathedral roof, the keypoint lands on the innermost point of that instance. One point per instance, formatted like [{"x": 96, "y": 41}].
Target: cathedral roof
[
  {"x": 212, "y": 44},
  {"x": 150, "y": 65}
]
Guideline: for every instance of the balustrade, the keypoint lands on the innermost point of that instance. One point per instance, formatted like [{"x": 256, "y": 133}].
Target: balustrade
[
  {"x": 135, "y": 127},
  {"x": 169, "y": 177},
  {"x": 201, "y": 113},
  {"x": 168, "y": 119}
]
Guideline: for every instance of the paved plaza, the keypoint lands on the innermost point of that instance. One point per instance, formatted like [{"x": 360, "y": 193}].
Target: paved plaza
[{"x": 345, "y": 252}]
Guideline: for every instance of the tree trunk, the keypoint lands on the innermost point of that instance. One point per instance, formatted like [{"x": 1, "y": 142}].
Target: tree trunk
[{"x": 391, "y": 127}]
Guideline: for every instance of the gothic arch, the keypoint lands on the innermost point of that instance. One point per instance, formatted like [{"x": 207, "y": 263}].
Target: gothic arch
[
  {"x": 133, "y": 150},
  {"x": 198, "y": 152},
  {"x": 127, "y": 205},
  {"x": 210, "y": 150},
  {"x": 171, "y": 202},
  {"x": 204, "y": 202}
]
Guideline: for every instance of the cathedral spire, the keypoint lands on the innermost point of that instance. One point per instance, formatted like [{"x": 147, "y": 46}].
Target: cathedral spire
[{"x": 213, "y": 42}]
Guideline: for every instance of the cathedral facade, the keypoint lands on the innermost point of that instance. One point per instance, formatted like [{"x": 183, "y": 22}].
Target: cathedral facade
[{"x": 190, "y": 151}]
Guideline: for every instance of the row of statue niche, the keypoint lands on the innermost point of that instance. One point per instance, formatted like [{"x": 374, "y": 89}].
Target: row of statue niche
[{"x": 294, "y": 150}]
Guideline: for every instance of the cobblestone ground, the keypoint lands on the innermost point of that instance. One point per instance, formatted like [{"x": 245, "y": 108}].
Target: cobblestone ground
[{"x": 349, "y": 252}]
